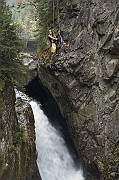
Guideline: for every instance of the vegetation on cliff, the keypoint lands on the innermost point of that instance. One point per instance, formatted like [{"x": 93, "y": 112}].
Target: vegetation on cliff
[
  {"x": 9, "y": 41},
  {"x": 10, "y": 46}
]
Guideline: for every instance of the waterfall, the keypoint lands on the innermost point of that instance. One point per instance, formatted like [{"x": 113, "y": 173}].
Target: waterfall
[{"x": 54, "y": 160}]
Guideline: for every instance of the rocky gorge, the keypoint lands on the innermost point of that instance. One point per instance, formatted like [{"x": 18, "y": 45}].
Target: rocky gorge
[{"x": 84, "y": 81}]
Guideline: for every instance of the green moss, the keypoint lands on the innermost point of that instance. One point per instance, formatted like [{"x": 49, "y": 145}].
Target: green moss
[
  {"x": 116, "y": 146},
  {"x": 2, "y": 84},
  {"x": 108, "y": 172},
  {"x": 2, "y": 164},
  {"x": 1, "y": 103},
  {"x": 21, "y": 136},
  {"x": 106, "y": 169},
  {"x": 12, "y": 148}
]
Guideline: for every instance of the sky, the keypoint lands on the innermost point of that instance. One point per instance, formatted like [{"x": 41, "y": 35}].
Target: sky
[{"x": 9, "y": 1}]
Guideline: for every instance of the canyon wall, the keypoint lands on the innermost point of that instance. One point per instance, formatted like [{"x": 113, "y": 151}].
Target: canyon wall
[
  {"x": 84, "y": 80},
  {"x": 17, "y": 136}
]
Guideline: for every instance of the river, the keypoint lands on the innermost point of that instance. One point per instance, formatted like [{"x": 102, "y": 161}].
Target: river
[{"x": 54, "y": 160}]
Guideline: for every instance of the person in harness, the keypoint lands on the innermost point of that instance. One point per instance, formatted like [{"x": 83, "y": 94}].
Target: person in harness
[
  {"x": 59, "y": 42},
  {"x": 56, "y": 42},
  {"x": 50, "y": 36},
  {"x": 52, "y": 40}
]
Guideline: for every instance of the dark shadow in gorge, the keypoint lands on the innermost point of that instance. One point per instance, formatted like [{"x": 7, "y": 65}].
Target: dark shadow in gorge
[{"x": 41, "y": 94}]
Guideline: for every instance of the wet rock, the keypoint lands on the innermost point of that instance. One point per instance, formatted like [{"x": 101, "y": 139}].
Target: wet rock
[{"x": 17, "y": 138}]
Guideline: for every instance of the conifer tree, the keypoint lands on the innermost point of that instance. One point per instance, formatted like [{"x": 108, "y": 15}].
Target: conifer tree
[
  {"x": 44, "y": 15},
  {"x": 9, "y": 41}
]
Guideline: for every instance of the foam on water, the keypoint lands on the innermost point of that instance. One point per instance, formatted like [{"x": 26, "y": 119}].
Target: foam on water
[{"x": 54, "y": 161}]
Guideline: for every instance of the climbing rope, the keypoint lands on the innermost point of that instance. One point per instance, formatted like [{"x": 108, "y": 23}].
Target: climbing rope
[
  {"x": 53, "y": 13},
  {"x": 58, "y": 17},
  {"x": 57, "y": 12}
]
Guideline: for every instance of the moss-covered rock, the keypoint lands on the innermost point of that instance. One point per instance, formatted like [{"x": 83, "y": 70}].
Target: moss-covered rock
[{"x": 17, "y": 142}]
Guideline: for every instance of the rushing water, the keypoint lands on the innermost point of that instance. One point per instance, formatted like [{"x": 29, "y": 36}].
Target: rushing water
[{"x": 54, "y": 161}]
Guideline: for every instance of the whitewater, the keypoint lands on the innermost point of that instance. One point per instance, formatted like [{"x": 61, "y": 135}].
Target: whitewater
[{"x": 54, "y": 160}]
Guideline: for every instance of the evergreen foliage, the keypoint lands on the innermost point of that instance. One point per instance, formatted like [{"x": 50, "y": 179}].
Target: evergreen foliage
[
  {"x": 25, "y": 16},
  {"x": 44, "y": 15},
  {"x": 9, "y": 41},
  {"x": 11, "y": 67}
]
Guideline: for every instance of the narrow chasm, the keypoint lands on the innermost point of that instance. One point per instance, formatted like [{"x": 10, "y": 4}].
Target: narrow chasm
[{"x": 38, "y": 92}]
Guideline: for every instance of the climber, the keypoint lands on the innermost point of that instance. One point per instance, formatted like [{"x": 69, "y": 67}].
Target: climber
[
  {"x": 50, "y": 37},
  {"x": 56, "y": 42},
  {"x": 59, "y": 42},
  {"x": 52, "y": 40}
]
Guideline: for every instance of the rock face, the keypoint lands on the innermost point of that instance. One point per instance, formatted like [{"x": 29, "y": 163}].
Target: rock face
[
  {"x": 17, "y": 138},
  {"x": 30, "y": 61},
  {"x": 84, "y": 80}
]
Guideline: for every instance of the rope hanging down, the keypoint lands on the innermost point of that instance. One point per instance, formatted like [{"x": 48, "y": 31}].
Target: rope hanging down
[
  {"x": 53, "y": 13},
  {"x": 58, "y": 17},
  {"x": 53, "y": 7}
]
